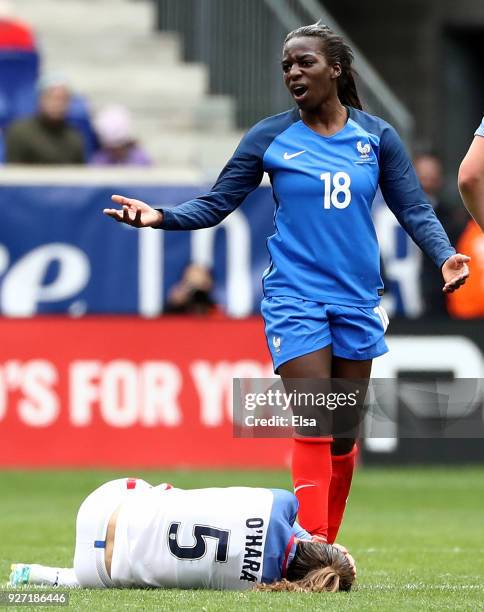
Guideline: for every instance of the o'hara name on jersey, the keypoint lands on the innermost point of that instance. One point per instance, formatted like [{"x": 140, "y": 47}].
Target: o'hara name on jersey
[{"x": 252, "y": 561}]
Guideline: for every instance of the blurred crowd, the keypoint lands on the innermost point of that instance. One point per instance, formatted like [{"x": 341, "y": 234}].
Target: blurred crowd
[
  {"x": 193, "y": 293},
  {"x": 43, "y": 121}
]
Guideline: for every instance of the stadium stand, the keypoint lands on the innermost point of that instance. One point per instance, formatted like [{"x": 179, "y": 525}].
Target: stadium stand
[
  {"x": 19, "y": 66},
  {"x": 18, "y": 75},
  {"x": 118, "y": 58}
]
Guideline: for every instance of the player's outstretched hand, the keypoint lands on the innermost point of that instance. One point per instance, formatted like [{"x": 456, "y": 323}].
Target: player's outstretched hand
[
  {"x": 455, "y": 272},
  {"x": 134, "y": 212}
]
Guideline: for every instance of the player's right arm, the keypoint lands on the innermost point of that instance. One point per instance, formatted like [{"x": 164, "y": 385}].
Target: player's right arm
[
  {"x": 134, "y": 212},
  {"x": 241, "y": 175},
  {"x": 471, "y": 177}
]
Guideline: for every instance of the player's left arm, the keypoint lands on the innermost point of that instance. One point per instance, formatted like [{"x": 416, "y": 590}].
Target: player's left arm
[
  {"x": 471, "y": 179},
  {"x": 405, "y": 197}
]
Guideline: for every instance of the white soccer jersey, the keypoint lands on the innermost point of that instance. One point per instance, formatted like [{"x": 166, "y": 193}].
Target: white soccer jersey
[{"x": 200, "y": 538}]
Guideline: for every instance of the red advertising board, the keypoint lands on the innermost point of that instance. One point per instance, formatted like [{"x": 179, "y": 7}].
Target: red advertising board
[{"x": 129, "y": 392}]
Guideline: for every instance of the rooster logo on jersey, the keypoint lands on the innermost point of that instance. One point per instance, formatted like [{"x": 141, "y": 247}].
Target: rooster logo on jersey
[{"x": 363, "y": 150}]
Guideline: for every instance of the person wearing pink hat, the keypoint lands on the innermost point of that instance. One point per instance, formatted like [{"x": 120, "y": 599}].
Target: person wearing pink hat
[{"x": 114, "y": 129}]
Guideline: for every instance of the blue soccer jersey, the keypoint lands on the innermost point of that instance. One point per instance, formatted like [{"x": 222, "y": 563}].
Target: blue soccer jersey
[
  {"x": 324, "y": 247},
  {"x": 480, "y": 129}
]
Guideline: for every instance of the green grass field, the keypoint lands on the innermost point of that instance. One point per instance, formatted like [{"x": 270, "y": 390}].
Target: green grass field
[{"x": 417, "y": 536}]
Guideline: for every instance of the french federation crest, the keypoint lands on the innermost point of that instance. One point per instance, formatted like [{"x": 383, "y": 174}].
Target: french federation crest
[
  {"x": 276, "y": 343},
  {"x": 363, "y": 149}
]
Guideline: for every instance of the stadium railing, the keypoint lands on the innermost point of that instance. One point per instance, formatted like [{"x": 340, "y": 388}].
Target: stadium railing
[{"x": 241, "y": 44}]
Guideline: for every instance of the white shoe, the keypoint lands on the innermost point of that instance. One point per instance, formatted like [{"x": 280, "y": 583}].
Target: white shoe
[
  {"x": 32, "y": 573},
  {"x": 19, "y": 575}
]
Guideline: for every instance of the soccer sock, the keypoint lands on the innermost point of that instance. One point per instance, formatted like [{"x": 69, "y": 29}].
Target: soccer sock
[
  {"x": 311, "y": 476},
  {"x": 343, "y": 468},
  {"x": 67, "y": 578},
  {"x": 44, "y": 575}
]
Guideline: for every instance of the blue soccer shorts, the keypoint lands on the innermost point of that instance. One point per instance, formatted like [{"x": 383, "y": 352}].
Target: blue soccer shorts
[{"x": 296, "y": 327}]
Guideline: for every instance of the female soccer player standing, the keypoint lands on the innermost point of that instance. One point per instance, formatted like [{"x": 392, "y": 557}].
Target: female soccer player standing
[{"x": 322, "y": 291}]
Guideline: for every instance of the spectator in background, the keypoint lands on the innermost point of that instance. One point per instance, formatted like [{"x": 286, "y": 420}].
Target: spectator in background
[
  {"x": 46, "y": 138},
  {"x": 430, "y": 173},
  {"x": 114, "y": 129},
  {"x": 192, "y": 295}
]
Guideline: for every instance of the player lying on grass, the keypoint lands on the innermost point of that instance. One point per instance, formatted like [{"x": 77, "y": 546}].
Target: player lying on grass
[{"x": 130, "y": 534}]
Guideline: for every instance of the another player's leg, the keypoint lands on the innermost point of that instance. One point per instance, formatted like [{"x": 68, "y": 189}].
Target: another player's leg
[
  {"x": 311, "y": 459},
  {"x": 91, "y": 526}
]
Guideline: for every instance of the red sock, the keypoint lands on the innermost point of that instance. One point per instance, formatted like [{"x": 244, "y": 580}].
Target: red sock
[
  {"x": 343, "y": 467},
  {"x": 311, "y": 475}
]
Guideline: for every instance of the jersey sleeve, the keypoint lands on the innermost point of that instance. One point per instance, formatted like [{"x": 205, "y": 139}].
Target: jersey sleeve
[
  {"x": 480, "y": 129},
  {"x": 405, "y": 197},
  {"x": 280, "y": 535},
  {"x": 241, "y": 175}
]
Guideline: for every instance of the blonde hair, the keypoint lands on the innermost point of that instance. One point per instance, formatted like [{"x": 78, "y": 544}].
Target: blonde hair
[{"x": 316, "y": 568}]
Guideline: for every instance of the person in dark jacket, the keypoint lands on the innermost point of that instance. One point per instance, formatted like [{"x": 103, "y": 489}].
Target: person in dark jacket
[{"x": 46, "y": 138}]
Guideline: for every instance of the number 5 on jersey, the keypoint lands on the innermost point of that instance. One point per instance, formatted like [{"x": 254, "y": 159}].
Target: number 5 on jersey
[
  {"x": 199, "y": 549},
  {"x": 336, "y": 190}
]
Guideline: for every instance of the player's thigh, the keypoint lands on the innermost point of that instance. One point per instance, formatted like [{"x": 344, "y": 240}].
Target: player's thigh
[
  {"x": 305, "y": 378},
  {"x": 312, "y": 365},
  {"x": 351, "y": 368},
  {"x": 358, "y": 337},
  {"x": 299, "y": 339}
]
